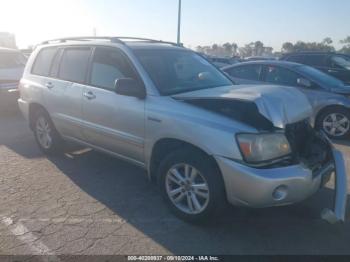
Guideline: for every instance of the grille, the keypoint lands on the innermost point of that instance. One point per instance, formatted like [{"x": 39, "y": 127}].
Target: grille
[{"x": 308, "y": 146}]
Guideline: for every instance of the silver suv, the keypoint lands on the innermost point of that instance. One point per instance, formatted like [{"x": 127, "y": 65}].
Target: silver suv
[{"x": 167, "y": 109}]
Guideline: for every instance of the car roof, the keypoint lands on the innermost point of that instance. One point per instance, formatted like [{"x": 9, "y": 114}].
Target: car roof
[
  {"x": 265, "y": 62},
  {"x": 131, "y": 45},
  {"x": 260, "y": 57},
  {"x": 131, "y": 42},
  {"x": 310, "y": 53},
  {"x": 138, "y": 45}
]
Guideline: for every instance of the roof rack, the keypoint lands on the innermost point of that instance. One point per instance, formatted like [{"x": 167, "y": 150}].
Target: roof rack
[{"x": 113, "y": 39}]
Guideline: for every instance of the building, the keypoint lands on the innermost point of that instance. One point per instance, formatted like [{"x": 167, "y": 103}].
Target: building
[{"x": 7, "y": 40}]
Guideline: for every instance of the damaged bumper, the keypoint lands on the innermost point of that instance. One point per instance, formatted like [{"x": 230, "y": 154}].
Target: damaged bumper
[
  {"x": 256, "y": 187},
  {"x": 339, "y": 208}
]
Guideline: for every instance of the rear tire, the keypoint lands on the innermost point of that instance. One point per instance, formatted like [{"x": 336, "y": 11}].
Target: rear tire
[
  {"x": 192, "y": 185},
  {"x": 46, "y": 135},
  {"x": 335, "y": 122}
]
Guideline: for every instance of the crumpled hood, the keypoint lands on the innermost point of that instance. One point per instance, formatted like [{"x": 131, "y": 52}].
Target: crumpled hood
[{"x": 280, "y": 104}]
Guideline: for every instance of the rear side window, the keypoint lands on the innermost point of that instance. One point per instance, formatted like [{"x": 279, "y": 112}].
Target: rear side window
[
  {"x": 314, "y": 60},
  {"x": 249, "y": 72},
  {"x": 281, "y": 76},
  {"x": 74, "y": 64},
  {"x": 109, "y": 65},
  {"x": 43, "y": 61}
]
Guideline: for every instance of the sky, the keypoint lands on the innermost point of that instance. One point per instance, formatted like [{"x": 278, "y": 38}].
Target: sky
[{"x": 204, "y": 22}]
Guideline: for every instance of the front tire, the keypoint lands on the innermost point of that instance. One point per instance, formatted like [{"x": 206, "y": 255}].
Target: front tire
[
  {"x": 335, "y": 122},
  {"x": 46, "y": 135},
  {"x": 191, "y": 185}
]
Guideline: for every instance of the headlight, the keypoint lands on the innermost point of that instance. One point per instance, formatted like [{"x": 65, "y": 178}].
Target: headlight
[{"x": 257, "y": 148}]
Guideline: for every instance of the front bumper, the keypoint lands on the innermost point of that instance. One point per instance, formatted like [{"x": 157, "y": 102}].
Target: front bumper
[{"x": 254, "y": 187}]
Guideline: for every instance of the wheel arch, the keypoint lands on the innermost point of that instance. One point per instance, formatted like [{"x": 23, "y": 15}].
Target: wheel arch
[
  {"x": 34, "y": 107},
  {"x": 166, "y": 145},
  {"x": 328, "y": 108}
]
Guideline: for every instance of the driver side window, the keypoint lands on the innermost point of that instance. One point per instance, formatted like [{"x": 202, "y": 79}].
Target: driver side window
[{"x": 109, "y": 65}]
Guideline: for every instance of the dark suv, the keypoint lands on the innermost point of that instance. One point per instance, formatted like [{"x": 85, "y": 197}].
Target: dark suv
[{"x": 337, "y": 65}]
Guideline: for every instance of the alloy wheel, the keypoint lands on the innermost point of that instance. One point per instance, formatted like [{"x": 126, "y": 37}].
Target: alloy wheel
[
  {"x": 336, "y": 124},
  {"x": 187, "y": 189},
  {"x": 43, "y": 132}
]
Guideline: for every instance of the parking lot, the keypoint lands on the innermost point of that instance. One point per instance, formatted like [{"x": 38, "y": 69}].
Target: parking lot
[{"x": 85, "y": 202}]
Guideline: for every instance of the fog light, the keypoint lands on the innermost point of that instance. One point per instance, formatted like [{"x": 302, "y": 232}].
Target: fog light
[{"x": 280, "y": 193}]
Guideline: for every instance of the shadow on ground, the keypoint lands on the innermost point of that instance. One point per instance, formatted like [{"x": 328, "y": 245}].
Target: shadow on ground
[{"x": 125, "y": 190}]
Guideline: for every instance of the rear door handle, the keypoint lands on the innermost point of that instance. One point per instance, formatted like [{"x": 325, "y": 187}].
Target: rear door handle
[
  {"x": 89, "y": 95},
  {"x": 49, "y": 85}
]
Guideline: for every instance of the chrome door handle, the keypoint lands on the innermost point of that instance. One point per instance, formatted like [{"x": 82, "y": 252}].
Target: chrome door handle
[
  {"x": 49, "y": 85},
  {"x": 89, "y": 95}
]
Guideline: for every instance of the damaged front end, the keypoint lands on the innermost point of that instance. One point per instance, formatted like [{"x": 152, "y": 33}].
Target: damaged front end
[
  {"x": 315, "y": 151},
  {"x": 280, "y": 109}
]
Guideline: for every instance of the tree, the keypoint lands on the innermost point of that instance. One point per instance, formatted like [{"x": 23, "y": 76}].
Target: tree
[
  {"x": 258, "y": 48},
  {"x": 299, "y": 46},
  {"x": 327, "y": 41},
  {"x": 228, "y": 48},
  {"x": 346, "y": 45},
  {"x": 287, "y": 47},
  {"x": 246, "y": 51},
  {"x": 268, "y": 51},
  {"x": 234, "y": 48},
  {"x": 345, "y": 41}
]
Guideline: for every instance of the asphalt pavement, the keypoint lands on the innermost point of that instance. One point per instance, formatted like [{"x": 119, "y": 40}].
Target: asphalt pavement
[{"x": 84, "y": 202}]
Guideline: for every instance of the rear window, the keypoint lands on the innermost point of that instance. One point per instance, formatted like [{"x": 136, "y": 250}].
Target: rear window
[
  {"x": 74, "y": 64},
  {"x": 11, "y": 60},
  {"x": 43, "y": 61},
  {"x": 249, "y": 72}
]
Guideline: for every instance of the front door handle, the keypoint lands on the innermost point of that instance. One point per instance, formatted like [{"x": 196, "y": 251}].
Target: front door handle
[
  {"x": 49, "y": 85},
  {"x": 89, "y": 95}
]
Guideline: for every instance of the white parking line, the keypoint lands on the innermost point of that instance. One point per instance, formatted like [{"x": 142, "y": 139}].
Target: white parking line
[
  {"x": 73, "y": 220},
  {"x": 26, "y": 237}
]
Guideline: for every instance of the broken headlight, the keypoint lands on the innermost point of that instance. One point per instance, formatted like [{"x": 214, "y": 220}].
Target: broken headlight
[{"x": 257, "y": 148}]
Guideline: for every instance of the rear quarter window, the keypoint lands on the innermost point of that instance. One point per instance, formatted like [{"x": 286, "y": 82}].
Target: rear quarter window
[{"x": 43, "y": 61}]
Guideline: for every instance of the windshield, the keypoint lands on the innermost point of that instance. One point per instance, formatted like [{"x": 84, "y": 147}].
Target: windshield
[
  {"x": 11, "y": 60},
  {"x": 178, "y": 71},
  {"x": 321, "y": 77},
  {"x": 342, "y": 61}
]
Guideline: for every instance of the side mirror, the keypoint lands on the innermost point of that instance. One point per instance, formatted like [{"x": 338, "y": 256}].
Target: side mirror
[
  {"x": 304, "y": 82},
  {"x": 130, "y": 87}
]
